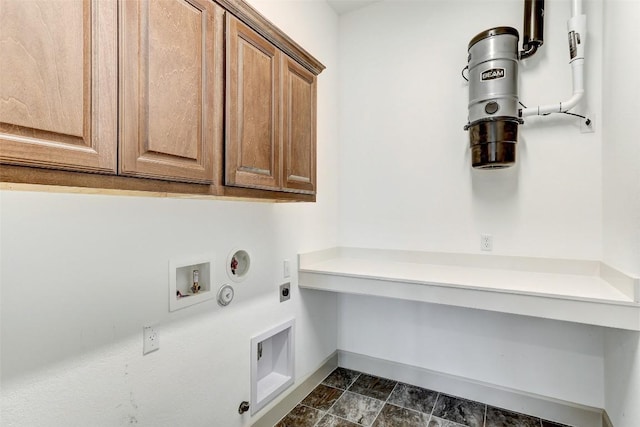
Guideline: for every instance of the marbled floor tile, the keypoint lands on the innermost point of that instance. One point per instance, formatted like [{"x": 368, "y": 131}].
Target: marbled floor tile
[
  {"x": 300, "y": 416},
  {"x": 546, "y": 423},
  {"x": 412, "y": 397},
  {"x": 439, "y": 422},
  {"x": 331, "y": 421},
  {"x": 322, "y": 397},
  {"x": 503, "y": 418},
  {"x": 356, "y": 408},
  {"x": 341, "y": 378},
  {"x": 394, "y": 416},
  {"x": 459, "y": 410},
  {"x": 376, "y": 387}
]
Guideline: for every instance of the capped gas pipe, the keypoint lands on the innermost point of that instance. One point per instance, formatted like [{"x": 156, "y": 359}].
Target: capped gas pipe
[{"x": 494, "y": 112}]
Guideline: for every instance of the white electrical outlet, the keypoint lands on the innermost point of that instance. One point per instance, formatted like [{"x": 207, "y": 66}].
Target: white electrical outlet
[
  {"x": 150, "y": 340},
  {"x": 286, "y": 269},
  {"x": 486, "y": 242},
  {"x": 285, "y": 292}
]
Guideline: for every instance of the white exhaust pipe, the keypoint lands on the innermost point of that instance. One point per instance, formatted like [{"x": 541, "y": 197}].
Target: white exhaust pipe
[
  {"x": 576, "y": 8},
  {"x": 577, "y": 29}
]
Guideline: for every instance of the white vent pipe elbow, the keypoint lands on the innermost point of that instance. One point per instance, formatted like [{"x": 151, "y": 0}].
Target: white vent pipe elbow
[{"x": 577, "y": 29}]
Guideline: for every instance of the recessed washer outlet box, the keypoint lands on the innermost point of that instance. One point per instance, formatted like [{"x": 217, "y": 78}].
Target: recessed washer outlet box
[
  {"x": 272, "y": 364},
  {"x": 190, "y": 281}
]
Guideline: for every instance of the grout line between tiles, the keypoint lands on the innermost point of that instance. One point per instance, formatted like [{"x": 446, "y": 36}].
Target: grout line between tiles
[
  {"x": 384, "y": 403},
  {"x": 302, "y": 404},
  {"x": 435, "y": 402},
  {"x": 337, "y": 388},
  {"x": 484, "y": 419},
  {"x": 409, "y": 409},
  {"x": 345, "y": 419},
  {"x": 311, "y": 407},
  {"x": 297, "y": 404},
  {"x": 334, "y": 404},
  {"x": 352, "y": 382}
]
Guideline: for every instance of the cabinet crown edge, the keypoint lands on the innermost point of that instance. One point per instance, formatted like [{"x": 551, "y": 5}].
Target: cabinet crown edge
[{"x": 254, "y": 19}]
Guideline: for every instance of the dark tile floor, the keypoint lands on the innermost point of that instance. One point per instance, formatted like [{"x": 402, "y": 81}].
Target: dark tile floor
[{"x": 348, "y": 399}]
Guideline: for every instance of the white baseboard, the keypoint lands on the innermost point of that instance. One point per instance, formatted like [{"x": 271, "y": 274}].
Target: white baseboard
[
  {"x": 282, "y": 407},
  {"x": 513, "y": 400}
]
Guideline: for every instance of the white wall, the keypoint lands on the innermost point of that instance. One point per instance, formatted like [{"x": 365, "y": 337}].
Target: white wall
[
  {"x": 621, "y": 149},
  {"x": 407, "y": 183},
  {"x": 554, "y": 359},
  {"x": 621, "y": 190},
  {"x": 81, "y": 274},
  {"x": 406, "y": 179}
]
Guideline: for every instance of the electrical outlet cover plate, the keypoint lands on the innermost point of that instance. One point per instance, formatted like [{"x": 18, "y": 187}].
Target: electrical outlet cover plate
[
  {"x": 486, "y": 242},
  {"x": 150, "y": 340},
  {"x": 285, "y": 291}
]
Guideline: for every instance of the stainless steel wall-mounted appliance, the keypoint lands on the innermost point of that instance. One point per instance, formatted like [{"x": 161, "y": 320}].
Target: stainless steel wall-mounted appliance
[{"x": 494, "y": 107}]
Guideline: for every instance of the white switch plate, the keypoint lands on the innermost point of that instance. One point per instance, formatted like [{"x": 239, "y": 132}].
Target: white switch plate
[
  {"x": 150, "y": 340},
  {"x": 286, "y": 269}
]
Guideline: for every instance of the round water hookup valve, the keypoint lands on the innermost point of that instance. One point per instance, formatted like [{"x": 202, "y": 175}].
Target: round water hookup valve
[
  {"x": 238, "y": 265},
  {"x": 244, "y": 407}
]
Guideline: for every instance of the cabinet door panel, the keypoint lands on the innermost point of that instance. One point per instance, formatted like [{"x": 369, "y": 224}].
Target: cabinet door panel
[
  {"x": 58, "y": 84},
  {"x": 252, "y": 144},
  {"x": 169, "y": 70},
  {"x": 299, "y": 129}
]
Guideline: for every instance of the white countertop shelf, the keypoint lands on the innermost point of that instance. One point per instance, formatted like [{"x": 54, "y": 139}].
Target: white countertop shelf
[{"x": 589, "y": 292}]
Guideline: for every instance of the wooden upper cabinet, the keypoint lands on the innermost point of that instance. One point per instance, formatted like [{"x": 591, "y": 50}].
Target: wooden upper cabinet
[
  {"x": 58, "y": 84},
  {"x": 171, "y": 97},
  {"x": 299, "y": 127},
  {"x": 252, "y": 151},
  {"x": 174, "y": 96}
]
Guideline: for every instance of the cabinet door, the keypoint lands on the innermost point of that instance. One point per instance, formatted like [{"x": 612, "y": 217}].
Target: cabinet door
[
  {"x": 58, "y": 84},
  {"x": 170, "y": 79},
  {"x": 299, "y": 127},
  {"x": 252, "y": 152}
]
